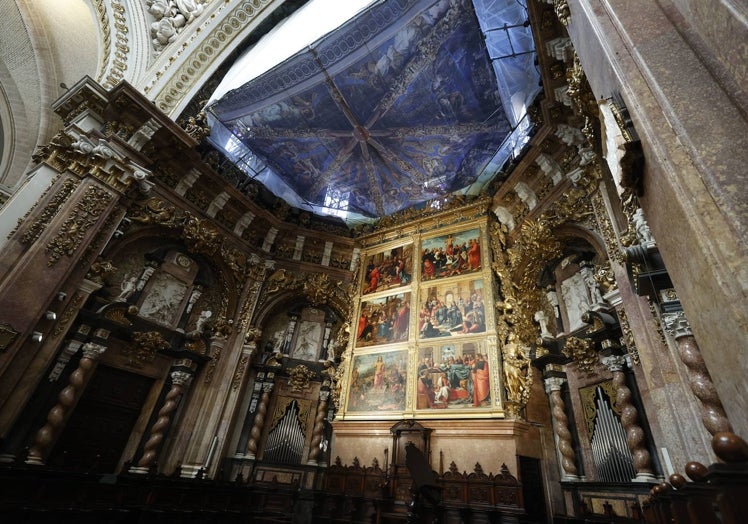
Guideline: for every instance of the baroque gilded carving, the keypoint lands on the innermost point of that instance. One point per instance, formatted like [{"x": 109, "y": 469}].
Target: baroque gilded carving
[
  {"x": 299, "y": 377},
  {"x": 582, "y": 352},
  {"x": 84, "y": 215},
  {"x": 199, "y": 236},
  {"x": 606, "y": 230},
  {"x": 442, "y": 211},
  {"x": 147, "y": 345},
  {"x": 197, "y": 126},
  {"x": 561, "y": 7},
  {"x": 99, "y": 270},
  {"x": 50, "y": 210},
  {"x": 517, "y": 371},
  {"x": 318, "y": 288}
]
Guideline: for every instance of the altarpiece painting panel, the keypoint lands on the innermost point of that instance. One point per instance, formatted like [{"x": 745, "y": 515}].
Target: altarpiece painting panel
[
  {"x": 451, "y": 255},
  {"x": 453, "y": 375},
  {"x": 384, "y": 320},
  {"x": 378, "y": 382},
  {"x": 452, "y": 308},
  {"x": 388, "y": 269}
]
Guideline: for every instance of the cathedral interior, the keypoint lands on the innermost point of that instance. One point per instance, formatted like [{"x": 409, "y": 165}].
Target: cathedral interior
[{"x": 374, "y": 261}]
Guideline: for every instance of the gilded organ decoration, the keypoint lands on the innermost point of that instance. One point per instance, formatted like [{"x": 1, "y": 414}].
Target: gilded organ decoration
[
  {"x": 582, "y": 351},
  {"x": 299, "y": 377}
]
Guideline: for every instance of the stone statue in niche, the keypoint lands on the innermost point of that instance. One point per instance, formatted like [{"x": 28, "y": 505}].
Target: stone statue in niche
[
  {"x": 542, "y": 319},
  {"x": 588, "y": 275},
  {"x": 202, "y": 320},
  {"x": 127, "y": 288}
]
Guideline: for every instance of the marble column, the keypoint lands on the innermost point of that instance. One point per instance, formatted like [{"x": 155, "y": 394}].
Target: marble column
[
  {"x": 259, "y": 422},
  {"x": 561, "y": 428},
  {"x": 66, "y": 400},
  {"x": 635, "y": 438},
  {"x": 180, "y": 381},
  {"x": 319, "y": 428},
  {"x": 713, "y": 414}
]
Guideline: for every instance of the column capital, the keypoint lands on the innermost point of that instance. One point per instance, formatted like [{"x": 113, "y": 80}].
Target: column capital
[
  {"x": 267, "y": 387},
  {"x": 677, "y": 325},
  {"x": 324, "y": 395},
  {"x": 92, "y": 351},
  {"x": 181, "y": 378},
  {"x": 554, "y": 383}
]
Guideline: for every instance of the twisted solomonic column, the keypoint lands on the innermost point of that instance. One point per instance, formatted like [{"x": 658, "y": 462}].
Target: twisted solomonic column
[
  {"x": 319, "y": 428},
  {"x": 561, "y": 428},
  {"x": 713, "y": 414},
  {"x": 635, "y": 438},
  {"x": 67, "y": 398},
  {"x": 259, "y": 422},
  {"x": 180, "y": 380}
]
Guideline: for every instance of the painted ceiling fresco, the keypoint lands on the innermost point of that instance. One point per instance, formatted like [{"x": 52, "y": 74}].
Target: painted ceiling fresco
[{"x": 398, "y": 106}]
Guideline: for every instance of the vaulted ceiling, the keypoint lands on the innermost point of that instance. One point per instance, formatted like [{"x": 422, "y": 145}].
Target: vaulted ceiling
[{"x": 403, "y": 103}]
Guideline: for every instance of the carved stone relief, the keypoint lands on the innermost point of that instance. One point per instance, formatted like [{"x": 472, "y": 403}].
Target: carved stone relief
[{"x": 162, "y": 302}]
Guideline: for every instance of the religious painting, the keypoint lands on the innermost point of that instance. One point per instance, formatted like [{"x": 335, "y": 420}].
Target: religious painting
[
  {"x": 388, "y": 269},
  {"x": 451, "y": 309},
  {"x": 451, "y": 255},
  {"x": 378, "y": 382},
  {"x": 453, "y": 376},
  {"x": 384, "y": 320}
]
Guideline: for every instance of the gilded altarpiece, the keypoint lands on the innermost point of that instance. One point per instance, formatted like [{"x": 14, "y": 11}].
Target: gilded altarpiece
[{"x": 425, "y": 343}]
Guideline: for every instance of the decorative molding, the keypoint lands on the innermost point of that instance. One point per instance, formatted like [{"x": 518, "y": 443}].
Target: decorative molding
[
  {"x": 8, "y": 335},
  {"x": 627, "y": 340},
  {"x": 147, "y": 346},
  {"x": 114, "y": 57},
  {"x": 73, "y": 231},
  {"x": 49, "y": 212},
  {"x": 582, "y": 351},
  {"x": 299, "y": 377},
  {"x": 201, "y": 55}
]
